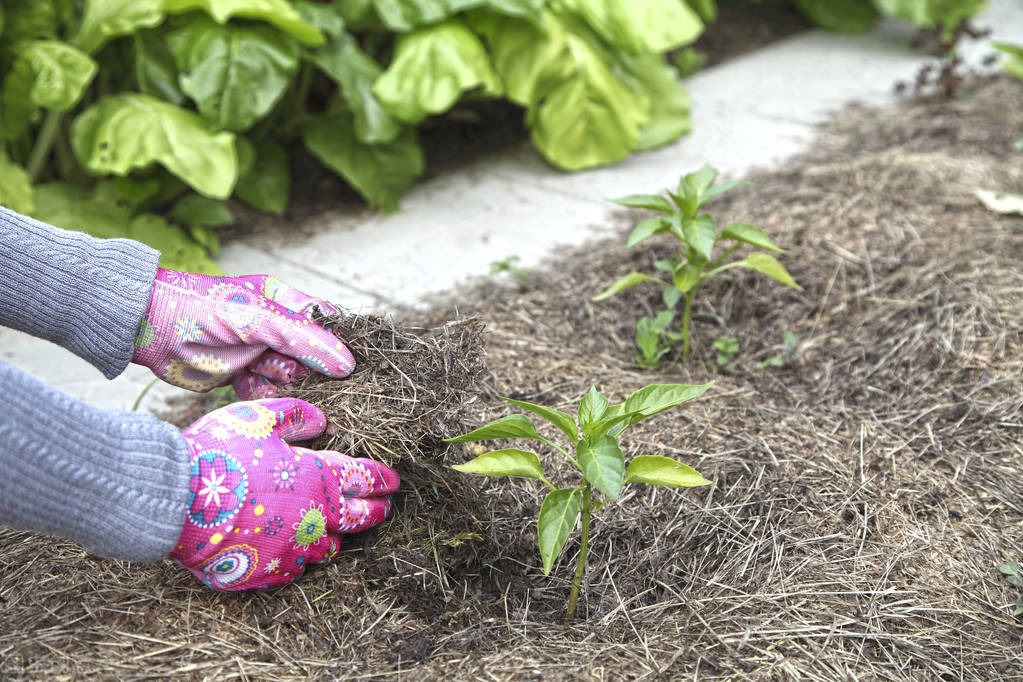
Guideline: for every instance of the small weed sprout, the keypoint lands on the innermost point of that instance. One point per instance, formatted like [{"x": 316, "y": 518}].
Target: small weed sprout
[
  {"x": 526, "y": 277},
  {"x": 788, "y": 355},
  {"x": 594, "y": 451},
  {"x": 726, "y": 347},
  {"x": 1011, "y": 572},
  {"x": 697, "y": 235}
]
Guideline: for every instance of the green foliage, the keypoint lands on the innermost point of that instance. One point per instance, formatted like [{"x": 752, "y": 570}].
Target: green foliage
[
  {"x": 788, "y": 355},
  {"x": 726, "y": 347},
  {"x": 212, "y": 93},
  {"x": 1014, "y": 62},
  {"x": 524, "y": 276},
  {"x": 593, "y": 436},
  {"x": 1012, "y": 573},
  {"x": 697, "y": 236}
]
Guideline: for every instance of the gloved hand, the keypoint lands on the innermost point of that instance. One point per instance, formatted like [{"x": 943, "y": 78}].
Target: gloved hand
[
  {"x": 202, "y": 331},
  {"x": 261, "y": 510}
]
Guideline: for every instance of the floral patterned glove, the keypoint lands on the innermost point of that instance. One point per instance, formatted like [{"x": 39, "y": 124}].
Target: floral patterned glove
[
  {"x": 261, "y": 510},
  {"x": 202, "y": 331}
]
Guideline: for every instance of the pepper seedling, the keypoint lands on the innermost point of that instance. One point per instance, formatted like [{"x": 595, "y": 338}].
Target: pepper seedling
[
  {"x": 695, "y": 262},
  {"x": 594, "y": 451}
]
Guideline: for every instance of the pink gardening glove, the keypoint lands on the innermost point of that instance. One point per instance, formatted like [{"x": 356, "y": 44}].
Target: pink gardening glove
[
  {"x": 260, "y": 510},
  {"x": 202, "y": 331}
]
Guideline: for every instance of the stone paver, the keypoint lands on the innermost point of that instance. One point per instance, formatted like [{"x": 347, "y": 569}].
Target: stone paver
[{"x": 753, "y": 111}]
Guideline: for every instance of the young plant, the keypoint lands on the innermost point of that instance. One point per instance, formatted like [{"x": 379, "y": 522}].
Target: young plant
[
  {"x": 654, "y": 339},
  {"x": 697, "y": 235},
  {"x": 1012, "y": 573},
  {"x": 525, "y": 276},
  {"x": 593, "y": 436},
  {"x": 787, "y": 356},
  {"x": 726, "y": 346}
]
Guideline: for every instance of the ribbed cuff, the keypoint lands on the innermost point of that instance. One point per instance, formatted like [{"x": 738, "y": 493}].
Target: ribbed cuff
[
  {"x": 115, "y": 482},
  {"x": 82, "y": 293}
]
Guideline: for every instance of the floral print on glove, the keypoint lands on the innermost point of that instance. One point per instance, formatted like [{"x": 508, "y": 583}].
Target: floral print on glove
[
  {"x": 255, "y": 331},
  {"x": 261, "y": 510}
]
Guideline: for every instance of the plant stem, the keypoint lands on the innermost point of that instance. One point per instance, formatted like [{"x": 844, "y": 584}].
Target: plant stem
[
  {"x": 686, "y": 315},
  {"x": 583, "y": 547},
  {"x": 47, "y": 136}
]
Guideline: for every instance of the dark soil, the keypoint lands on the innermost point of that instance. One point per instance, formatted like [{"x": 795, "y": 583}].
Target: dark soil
[{"x": 863, "y": 495}]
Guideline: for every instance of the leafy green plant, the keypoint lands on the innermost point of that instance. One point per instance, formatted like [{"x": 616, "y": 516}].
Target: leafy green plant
[
  {"x": 697, "y": 236},
  {"x": 654, "y": 339},
  {"x": 786, "y": 357},
  {"x": 1011, "y": 572},
  {"x": 215, "y": 94},
  {"x": 726, "y": 347},
  {"x": 524, "y": 276},
  {"x": 593, "y": 436}
]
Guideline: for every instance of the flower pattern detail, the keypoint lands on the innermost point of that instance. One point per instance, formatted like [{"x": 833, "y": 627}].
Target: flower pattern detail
[
  {"x": 311, "y": 528},
  {"x": 200, "y": 373},
  {"x": 187, "y": 330},
  {"x": 229, "y": 567},
  {"x": 217, "y": 489},
  {"x": 145, "y": 334},
  {"x": 238, "y": 307},
  {"x": 284, "y": 475},
  {"x": 315, "y": 364},
  {"x": 273, "y": 526},
  {"x": 272, "y": 565},
  {"x": 250, "y": 419}
]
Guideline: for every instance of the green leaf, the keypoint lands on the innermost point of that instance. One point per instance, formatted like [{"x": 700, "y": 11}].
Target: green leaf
[
  {"x": 380, "y": 172},
  {"x": 405, "y": 15},
  {"x": 623, "y": 283},
  {"x": 671, "y": 296},
  {"x": 131, "y": 191},
  {"x": 697, "y": 183},
  {"x": 154, "y": 68},
  {"x": 327, "y": 18},
  {"x": 510, "y": 462},
  {"x": 769, "y": 265},
  {"x": 1001, "y": 202},
  {"x": 719, "y": 189},
  {"x": 197, "y": 210},
  {"x": 686, "y": 276},
  {"x": 234, "y": 73},
  {"x": 840, "y": 16},
  {"x": 930, "y": 13},
  {"x": 707, "y": 9},
  {"x": 750, "y": 234},
  {"x": 122, "y": 132},
  {"x": 61, "y": 73},
  {"x": 588, "y": 117},
  {"x": 527, "y": 57},
  {"x": 279, "y": 13},
  {"x": 557, "y": 518},
  {"x": 105, "y": 19},
  {"x": 668, "y": 116},
  {"x": 591, "y": 408},
  {"x": 602, "y": 464},
  {"x": 657, "y": 398},
  {"x": 512, "y": 426},
  {"x": 640, "y": 25},
  {"x": 1014, "y": 64},
  {"x": 560, "y": 419},
  {"x": 15, "y": 186},
  {"x": 1009, "y": 568},
  {"x": 647, "y": 229},
  {"x": 652, "y": 202},
  {"x": 431, "y": 69},
  {"x": 657, "y": 470},
  {"x": 46, "y": 73},
  {"x": 355, "y": 72},
  {"x": 267, "y": 183},
  {"x": 701, "y": 234}
]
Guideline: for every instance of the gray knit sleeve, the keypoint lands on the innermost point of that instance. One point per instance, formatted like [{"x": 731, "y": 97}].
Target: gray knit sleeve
[
  {"x": 115, "y": 482},
  {"x": 82, "y": 293}
]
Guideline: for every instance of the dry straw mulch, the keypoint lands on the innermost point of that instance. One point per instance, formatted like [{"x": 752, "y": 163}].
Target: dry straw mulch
[{"x": 863, "y": 495}]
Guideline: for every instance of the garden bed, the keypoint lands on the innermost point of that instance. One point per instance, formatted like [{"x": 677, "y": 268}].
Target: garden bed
[{"x": 863, "y": 495}]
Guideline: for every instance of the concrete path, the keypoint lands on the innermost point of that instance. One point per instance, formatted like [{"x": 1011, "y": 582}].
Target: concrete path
[{"x": 753, "y": 111}]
